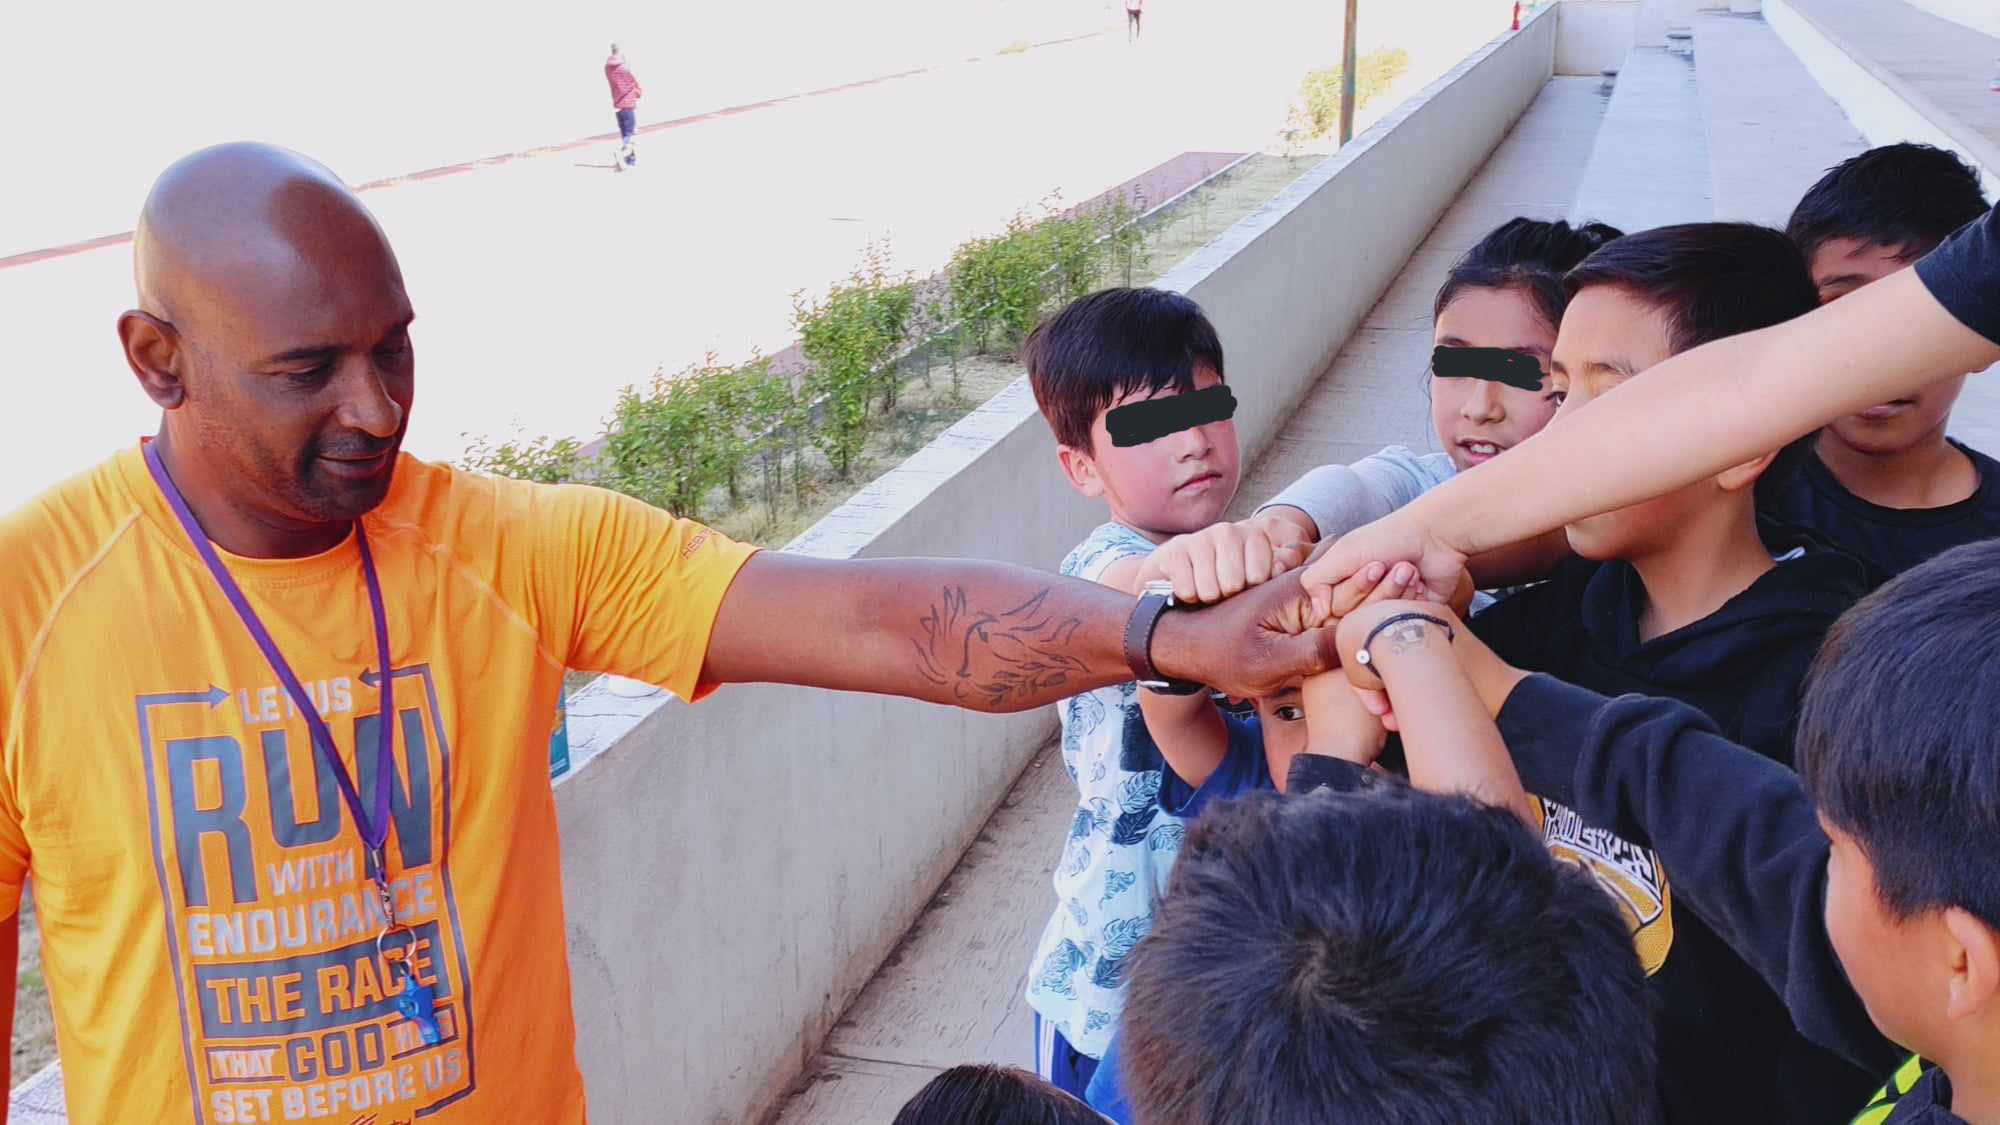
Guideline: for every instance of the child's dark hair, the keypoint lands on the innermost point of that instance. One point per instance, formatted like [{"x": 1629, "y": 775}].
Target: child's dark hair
[
  {"x": 1530, "y": 255},
  {"x": 1907, "y": 197},
  {"x": 1896, "y": 733},
  {"x": 1711, "y": 280},
  {"x": 1105, "y": 345},
  {"x": 993, "y": 1095},
  {"x": 1383, "y": 955}
]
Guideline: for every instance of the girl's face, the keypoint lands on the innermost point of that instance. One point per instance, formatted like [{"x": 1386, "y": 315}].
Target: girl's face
[{"x": 1476, "y": 420}]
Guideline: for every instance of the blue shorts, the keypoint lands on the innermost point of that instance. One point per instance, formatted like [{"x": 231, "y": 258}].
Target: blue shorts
[
  {"x": 628, "y": 123},
  {"x": 1066, "y": 1068}
]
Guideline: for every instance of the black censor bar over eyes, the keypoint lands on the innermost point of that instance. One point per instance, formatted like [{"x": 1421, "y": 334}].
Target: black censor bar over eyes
[
  {"x": 1137, "y": 423},
  {"x": 1516, "y": 369}
]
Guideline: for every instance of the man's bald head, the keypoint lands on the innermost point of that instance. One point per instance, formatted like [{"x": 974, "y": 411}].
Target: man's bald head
[
  {"x": 272, "y": 327},
  {"x": 224, "y": 215}
]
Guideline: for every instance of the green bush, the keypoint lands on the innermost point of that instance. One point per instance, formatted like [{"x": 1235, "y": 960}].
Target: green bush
[
  {"x": 681, "y": 438},
  {"x": 1319, "y": 91},
  {"x": 850, "y": 339},
  {"x": 543, "y": 460},
  {"x": 997, "y": 284}
]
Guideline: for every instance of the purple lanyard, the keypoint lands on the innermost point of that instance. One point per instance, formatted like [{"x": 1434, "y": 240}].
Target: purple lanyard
[{"x": 374, "y": 829}]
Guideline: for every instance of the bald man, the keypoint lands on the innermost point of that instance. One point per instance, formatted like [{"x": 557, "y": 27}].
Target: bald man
[{"x": 258, "y": 900}]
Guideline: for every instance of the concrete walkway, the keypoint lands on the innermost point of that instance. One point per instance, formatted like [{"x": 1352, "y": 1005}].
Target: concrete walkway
[
  {"x": 1739, "y": 132},
  {"x": 1944, "y": 62}
]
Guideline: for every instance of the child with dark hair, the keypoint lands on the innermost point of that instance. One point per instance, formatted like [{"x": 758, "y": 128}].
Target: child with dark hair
[
  {"x": 1887, "y": 484},
  {"x": 1102, "y": 352},
  {"x": 1506, "y": 292},
  {"x": 1688, "y": 596},
  {"x": 1504, "y": 295},
  {"x": 1861, "y": 887},
  {"x": 1378, "y": 955},
  {"x": 993, "y": 1095}
]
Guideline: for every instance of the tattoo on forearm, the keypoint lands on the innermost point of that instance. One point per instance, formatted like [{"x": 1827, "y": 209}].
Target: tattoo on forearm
[{"x": 983, "y": 657}]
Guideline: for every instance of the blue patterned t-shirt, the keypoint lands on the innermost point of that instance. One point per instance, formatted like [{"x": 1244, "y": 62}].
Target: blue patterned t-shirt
[{"x": 1121, "y": 843}]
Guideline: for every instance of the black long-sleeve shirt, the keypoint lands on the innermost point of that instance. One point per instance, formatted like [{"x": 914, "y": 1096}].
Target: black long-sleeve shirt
[{"x": 1735, "y": 829}]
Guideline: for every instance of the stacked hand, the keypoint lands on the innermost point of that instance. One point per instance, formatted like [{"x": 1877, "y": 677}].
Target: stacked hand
[{"x": 1216, "y": 562}]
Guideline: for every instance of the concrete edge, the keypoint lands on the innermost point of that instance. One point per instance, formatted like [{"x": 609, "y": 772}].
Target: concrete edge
[{"x": 1854, "y": 80}]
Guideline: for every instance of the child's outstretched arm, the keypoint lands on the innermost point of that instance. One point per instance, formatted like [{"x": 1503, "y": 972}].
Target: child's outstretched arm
[
  {"x": 1408, "y": 649},
  {"x": 1337, "y": 725},
  {"x": 1189, "y": 731}
]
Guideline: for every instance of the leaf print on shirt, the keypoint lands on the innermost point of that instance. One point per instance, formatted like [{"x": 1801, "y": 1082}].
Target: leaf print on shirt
[
  {"x": 1076, "y": 911},
  {"x": 1086, "y": 713},
  {"x": 1077, "y": 858},
  {"x": 1063, "y": 962},
  {"x": 1167, "y": 838},
  {"x": 1097, "y": 770},
  {"x": 1094, "y": 1020},
  {"x": 1130, "y": 828},
  {"x": 1139, "y": 791},
  {"x": 1120, "y": 938},
  {"x": 1115, "y": 884},
  {"x": 1136, "y": 751}
]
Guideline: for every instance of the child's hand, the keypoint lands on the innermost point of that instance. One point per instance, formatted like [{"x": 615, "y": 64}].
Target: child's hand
[
  {"x": 1226, "y": 558},
  {"x": 1353, "y": 633}
]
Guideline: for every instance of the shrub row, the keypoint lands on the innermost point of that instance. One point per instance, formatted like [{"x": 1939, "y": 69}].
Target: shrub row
[{"x": 687, "y": 441}]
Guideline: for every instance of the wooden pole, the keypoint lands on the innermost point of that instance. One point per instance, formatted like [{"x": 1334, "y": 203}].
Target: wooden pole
[{"x": 1347, "y": 79}]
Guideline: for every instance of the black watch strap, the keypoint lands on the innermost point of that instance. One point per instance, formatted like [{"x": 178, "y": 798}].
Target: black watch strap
[{"x": 1139, "y": 645}]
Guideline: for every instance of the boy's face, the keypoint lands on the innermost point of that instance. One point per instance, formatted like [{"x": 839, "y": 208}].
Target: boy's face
[
  {"x": 1839, "y": 267},
  {"x": 1479, "y": 419},
  {"x": 1887, "y": 960},
  {"x": 1283, "y": 718},
  {"x": 1168, "y": 486},
  {"x": 1609, "y": 335}
]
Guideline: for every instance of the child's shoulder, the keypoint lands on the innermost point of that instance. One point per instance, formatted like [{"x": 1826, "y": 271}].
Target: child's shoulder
[{"x": 1107, "y": 543}]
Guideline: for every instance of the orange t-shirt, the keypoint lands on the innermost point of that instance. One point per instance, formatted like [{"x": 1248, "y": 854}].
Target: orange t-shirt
[{"x": 208, "y": 932}]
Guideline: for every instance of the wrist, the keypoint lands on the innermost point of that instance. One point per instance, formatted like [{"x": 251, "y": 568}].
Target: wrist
[
  {"x": 1173, "y": 650},
  {"x": 1427, "y": 647},
  {"x": 1493, "y": 679},
  {"x": 1283, "y": 521},
  {"x": 1401, "y": 634}
]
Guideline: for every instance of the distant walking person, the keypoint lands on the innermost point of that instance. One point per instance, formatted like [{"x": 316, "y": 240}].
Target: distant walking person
[
  {"x": 1133, "y": 9},
  {"x": 625, "y": 95}
]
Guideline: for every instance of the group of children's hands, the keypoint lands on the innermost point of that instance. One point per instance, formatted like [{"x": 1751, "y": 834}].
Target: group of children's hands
[{"x": 1349, "y": 707}]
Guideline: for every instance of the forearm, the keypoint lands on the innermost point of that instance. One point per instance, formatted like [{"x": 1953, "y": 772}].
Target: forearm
[
  {"x": 1700, "y": 412},
  {"x": 1337, "y": 725},
  {"x": 1188, "y": 731},
  {"x": 1515, "y": 564},
  {"x": 988, "y": 636},
  {"x": 1449, "y": 737},
  {"x": 1328, "y": 502}
]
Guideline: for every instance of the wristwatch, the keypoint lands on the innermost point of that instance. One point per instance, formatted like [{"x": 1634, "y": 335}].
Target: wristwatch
[{"x": 1156, "y": 598}]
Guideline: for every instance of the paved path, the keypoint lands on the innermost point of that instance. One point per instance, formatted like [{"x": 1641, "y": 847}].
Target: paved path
[{"x": 1946, "y": 62}]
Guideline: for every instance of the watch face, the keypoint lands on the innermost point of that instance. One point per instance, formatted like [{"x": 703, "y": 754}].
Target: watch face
[{"x": 1159, "y": 586}]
